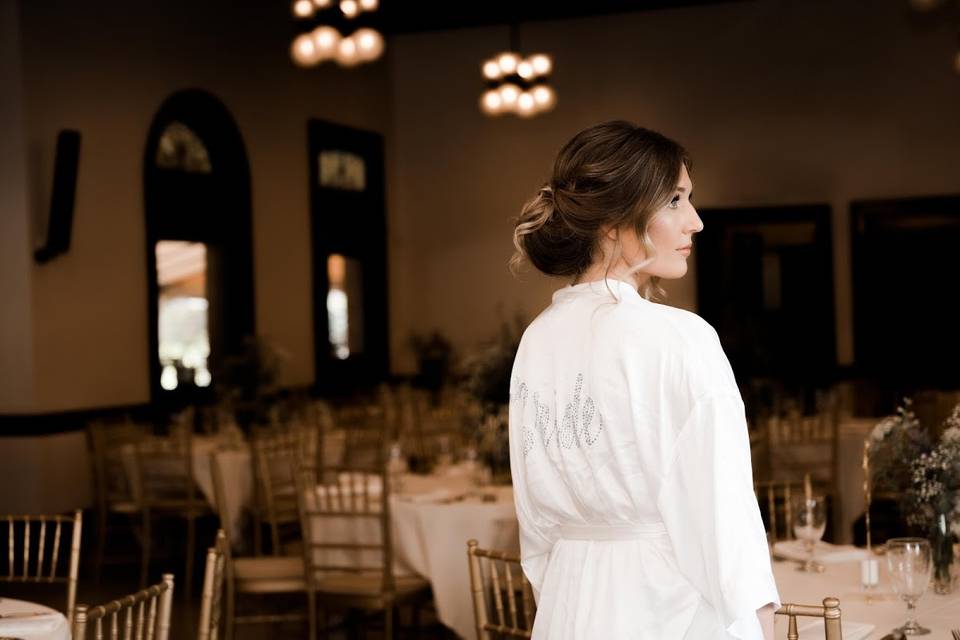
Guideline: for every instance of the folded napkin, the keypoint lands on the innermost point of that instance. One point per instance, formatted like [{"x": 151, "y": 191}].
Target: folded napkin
[
  {"x": 851, "y": 630},
  {"x": 824, "y": 552}
]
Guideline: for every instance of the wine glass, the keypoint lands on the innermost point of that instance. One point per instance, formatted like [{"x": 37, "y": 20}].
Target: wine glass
[
  {"x": 809, "y": 523},
  {"x": 909, "y": 562}
]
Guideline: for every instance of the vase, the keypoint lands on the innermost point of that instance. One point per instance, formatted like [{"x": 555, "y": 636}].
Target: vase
[{"x": 941, "y": 544}]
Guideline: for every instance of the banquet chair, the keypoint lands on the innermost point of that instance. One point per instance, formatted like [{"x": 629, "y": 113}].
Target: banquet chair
[
  {"x": 112, "y": 489},
  {"x": 776, "y": 504},
  {"x": 355, "y": 569},
  {"x": 260, "y": 575},
  {"x": 144, "y": 614},
  {"x": 516, "y": 620},
  {"x": 166, "y": 487},
  {"x": 829, "y": 611},
  {"x": 36, "y": 546},
  {"x": 211, "y": 599},
  {"x": 366, "y": 433},
  {"x": 799, "y": 444},
  {"x": 275, "y": 458}
]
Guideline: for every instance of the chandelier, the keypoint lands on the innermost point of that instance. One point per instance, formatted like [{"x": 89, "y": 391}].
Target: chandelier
[
  {"x": 353, "y": 46},
  {"x": 516, "y": 84}
]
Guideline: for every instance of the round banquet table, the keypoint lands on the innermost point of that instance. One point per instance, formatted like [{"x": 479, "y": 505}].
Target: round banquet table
[
  {"x": 861, "y": 620},
  {"x": 31, "y": 621}
]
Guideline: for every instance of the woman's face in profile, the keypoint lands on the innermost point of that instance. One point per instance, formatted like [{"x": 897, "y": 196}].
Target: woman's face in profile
[{"x": 671, "y": 231}]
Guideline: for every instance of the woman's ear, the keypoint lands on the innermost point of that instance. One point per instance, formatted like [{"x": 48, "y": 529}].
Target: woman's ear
[{"x": 609, "y": 232}]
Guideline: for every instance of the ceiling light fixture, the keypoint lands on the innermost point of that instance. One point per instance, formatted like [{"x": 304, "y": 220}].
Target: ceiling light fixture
[
  {"x": 516, "y": 84},
  {"x": 354, "y": 43}
]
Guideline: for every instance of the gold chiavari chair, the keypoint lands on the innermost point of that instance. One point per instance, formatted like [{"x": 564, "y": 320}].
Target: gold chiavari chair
[
  {"x": 35, "y": 552},
  {"x": 167, "y": 488},
  {"x": 144, "y": 614},
  {"x": 261, "y": 575},
  {"x": 276, "y": 457},
  {"x": 211, "y": 600},
  {"x": 829, "y": 611},
  {"x": 776, "y": 502},
  {"x": 798, "y": 445},
  {"x": 366, "y": 433},
  {"x": 355, "y": 569},
  {"x": 112, "y": 489},
  {"x": 499, "y": 580}
]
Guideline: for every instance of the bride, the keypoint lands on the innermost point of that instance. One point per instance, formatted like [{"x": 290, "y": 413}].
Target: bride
[{"x": 628, "y": 443}]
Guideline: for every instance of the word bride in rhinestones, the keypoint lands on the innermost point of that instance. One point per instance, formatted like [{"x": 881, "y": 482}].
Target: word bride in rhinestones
[{"x": 573, "y": 430}]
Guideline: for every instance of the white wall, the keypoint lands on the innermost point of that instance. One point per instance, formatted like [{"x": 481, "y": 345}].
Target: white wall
[
  {"x": 778, "y": 102},
  {"x": 104, "y": 69},
  {"x": 16, "y": 362}
]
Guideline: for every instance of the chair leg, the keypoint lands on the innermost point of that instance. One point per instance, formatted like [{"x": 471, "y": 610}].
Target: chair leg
[
  {"x": 231, "y": 609},
  {"x": 312, "y": 614},
  {"x": 388, "y": 622},
  {"x": 145, "y": 551},
  {"x": 101, "y": 544},
  {"x": 191, "y": 544}
]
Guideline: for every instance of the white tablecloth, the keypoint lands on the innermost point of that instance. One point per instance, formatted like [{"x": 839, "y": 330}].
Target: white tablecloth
[
  {"x": 47, "y": 625},
  {"x": 430, "y": 535},
  {"x": 938, "y": 613}
]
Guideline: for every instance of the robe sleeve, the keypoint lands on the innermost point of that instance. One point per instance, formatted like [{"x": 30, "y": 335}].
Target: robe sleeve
[
  {"x": 536, "y": 539},
  {"x": 711, "y": 514}
]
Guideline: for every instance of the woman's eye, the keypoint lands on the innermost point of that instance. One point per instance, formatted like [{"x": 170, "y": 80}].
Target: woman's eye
[{"x": 675, "y": 202}]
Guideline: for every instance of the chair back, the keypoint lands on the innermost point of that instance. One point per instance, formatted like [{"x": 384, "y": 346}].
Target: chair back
[
  {"x": 830, "y": 612},
  {"x": 498, "y": 575},
  {"x": 346, "y": 523},
  {"x": 366, "y": 431},
  {"x": 776, "y": 505},
  {"x": 36, "y": 552},
  {"x": 165, "y": 475},
  {"x": 276, "y": 457},
  {"x": 211, "y": 600},
  {"x": 111, "y": 482},
  {"x": 144, "y": 614}
]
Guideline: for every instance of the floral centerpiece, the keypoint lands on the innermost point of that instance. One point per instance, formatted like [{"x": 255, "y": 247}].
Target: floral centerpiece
[
  {"x": 249, "y": 381},
  {"x": 485, "y": 378},
  {"x": 924, "y": 471}
]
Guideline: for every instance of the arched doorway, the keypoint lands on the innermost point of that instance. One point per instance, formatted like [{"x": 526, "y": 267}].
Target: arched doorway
[{"x": 199, "y": 244}]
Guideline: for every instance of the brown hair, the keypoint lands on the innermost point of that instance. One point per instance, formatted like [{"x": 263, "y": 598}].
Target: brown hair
[{"x": 612, "y": 174}]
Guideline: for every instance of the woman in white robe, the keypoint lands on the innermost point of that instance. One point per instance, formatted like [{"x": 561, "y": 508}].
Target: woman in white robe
[{"x": 629, "y": 448}]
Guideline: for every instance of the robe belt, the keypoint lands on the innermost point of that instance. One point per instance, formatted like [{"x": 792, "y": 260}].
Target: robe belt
[{"x": 611, "y": 531}]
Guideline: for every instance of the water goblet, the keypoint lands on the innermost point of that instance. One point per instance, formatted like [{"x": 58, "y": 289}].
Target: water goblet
[
  {"x": 909, "y": 562},
  {"x": 809, "y": 523}
]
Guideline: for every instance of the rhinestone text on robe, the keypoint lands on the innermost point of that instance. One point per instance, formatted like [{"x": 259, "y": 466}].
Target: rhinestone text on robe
[{"x": 573, "y": 431}]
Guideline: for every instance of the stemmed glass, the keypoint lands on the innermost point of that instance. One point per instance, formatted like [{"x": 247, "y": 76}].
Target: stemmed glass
[
  {"x": 809, "y": 523},
  {"x": 909, "y": 561}
]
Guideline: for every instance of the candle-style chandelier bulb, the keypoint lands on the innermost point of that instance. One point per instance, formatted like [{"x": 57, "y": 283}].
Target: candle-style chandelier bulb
[
  {"x": 508, "y": 95},
  {"x": 349, "y": 8},
  {"x": 303, "y": 51},
  {"x": 508, "y": 62},
  {"x": 491, "y": 103},
  {"x": 369, "y": 5},
  {"x": 369, "y": 43},
  {"x": 542, "y": 64},
  {"x": 322, "y": 4},
  {"x": 348, "y": 53},
  {"x": 491, "y": 70},
  {"x": 326, "y": 40},
  {"x": 526, "y": 105},
  {"x": 544, "y": 96},
  {"x": 303, "y": 8},
  {"x": 525, "y": 70}
]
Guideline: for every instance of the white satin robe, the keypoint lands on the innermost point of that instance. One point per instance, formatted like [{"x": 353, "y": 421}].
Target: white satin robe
[{"x": 631, "y": 470}]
